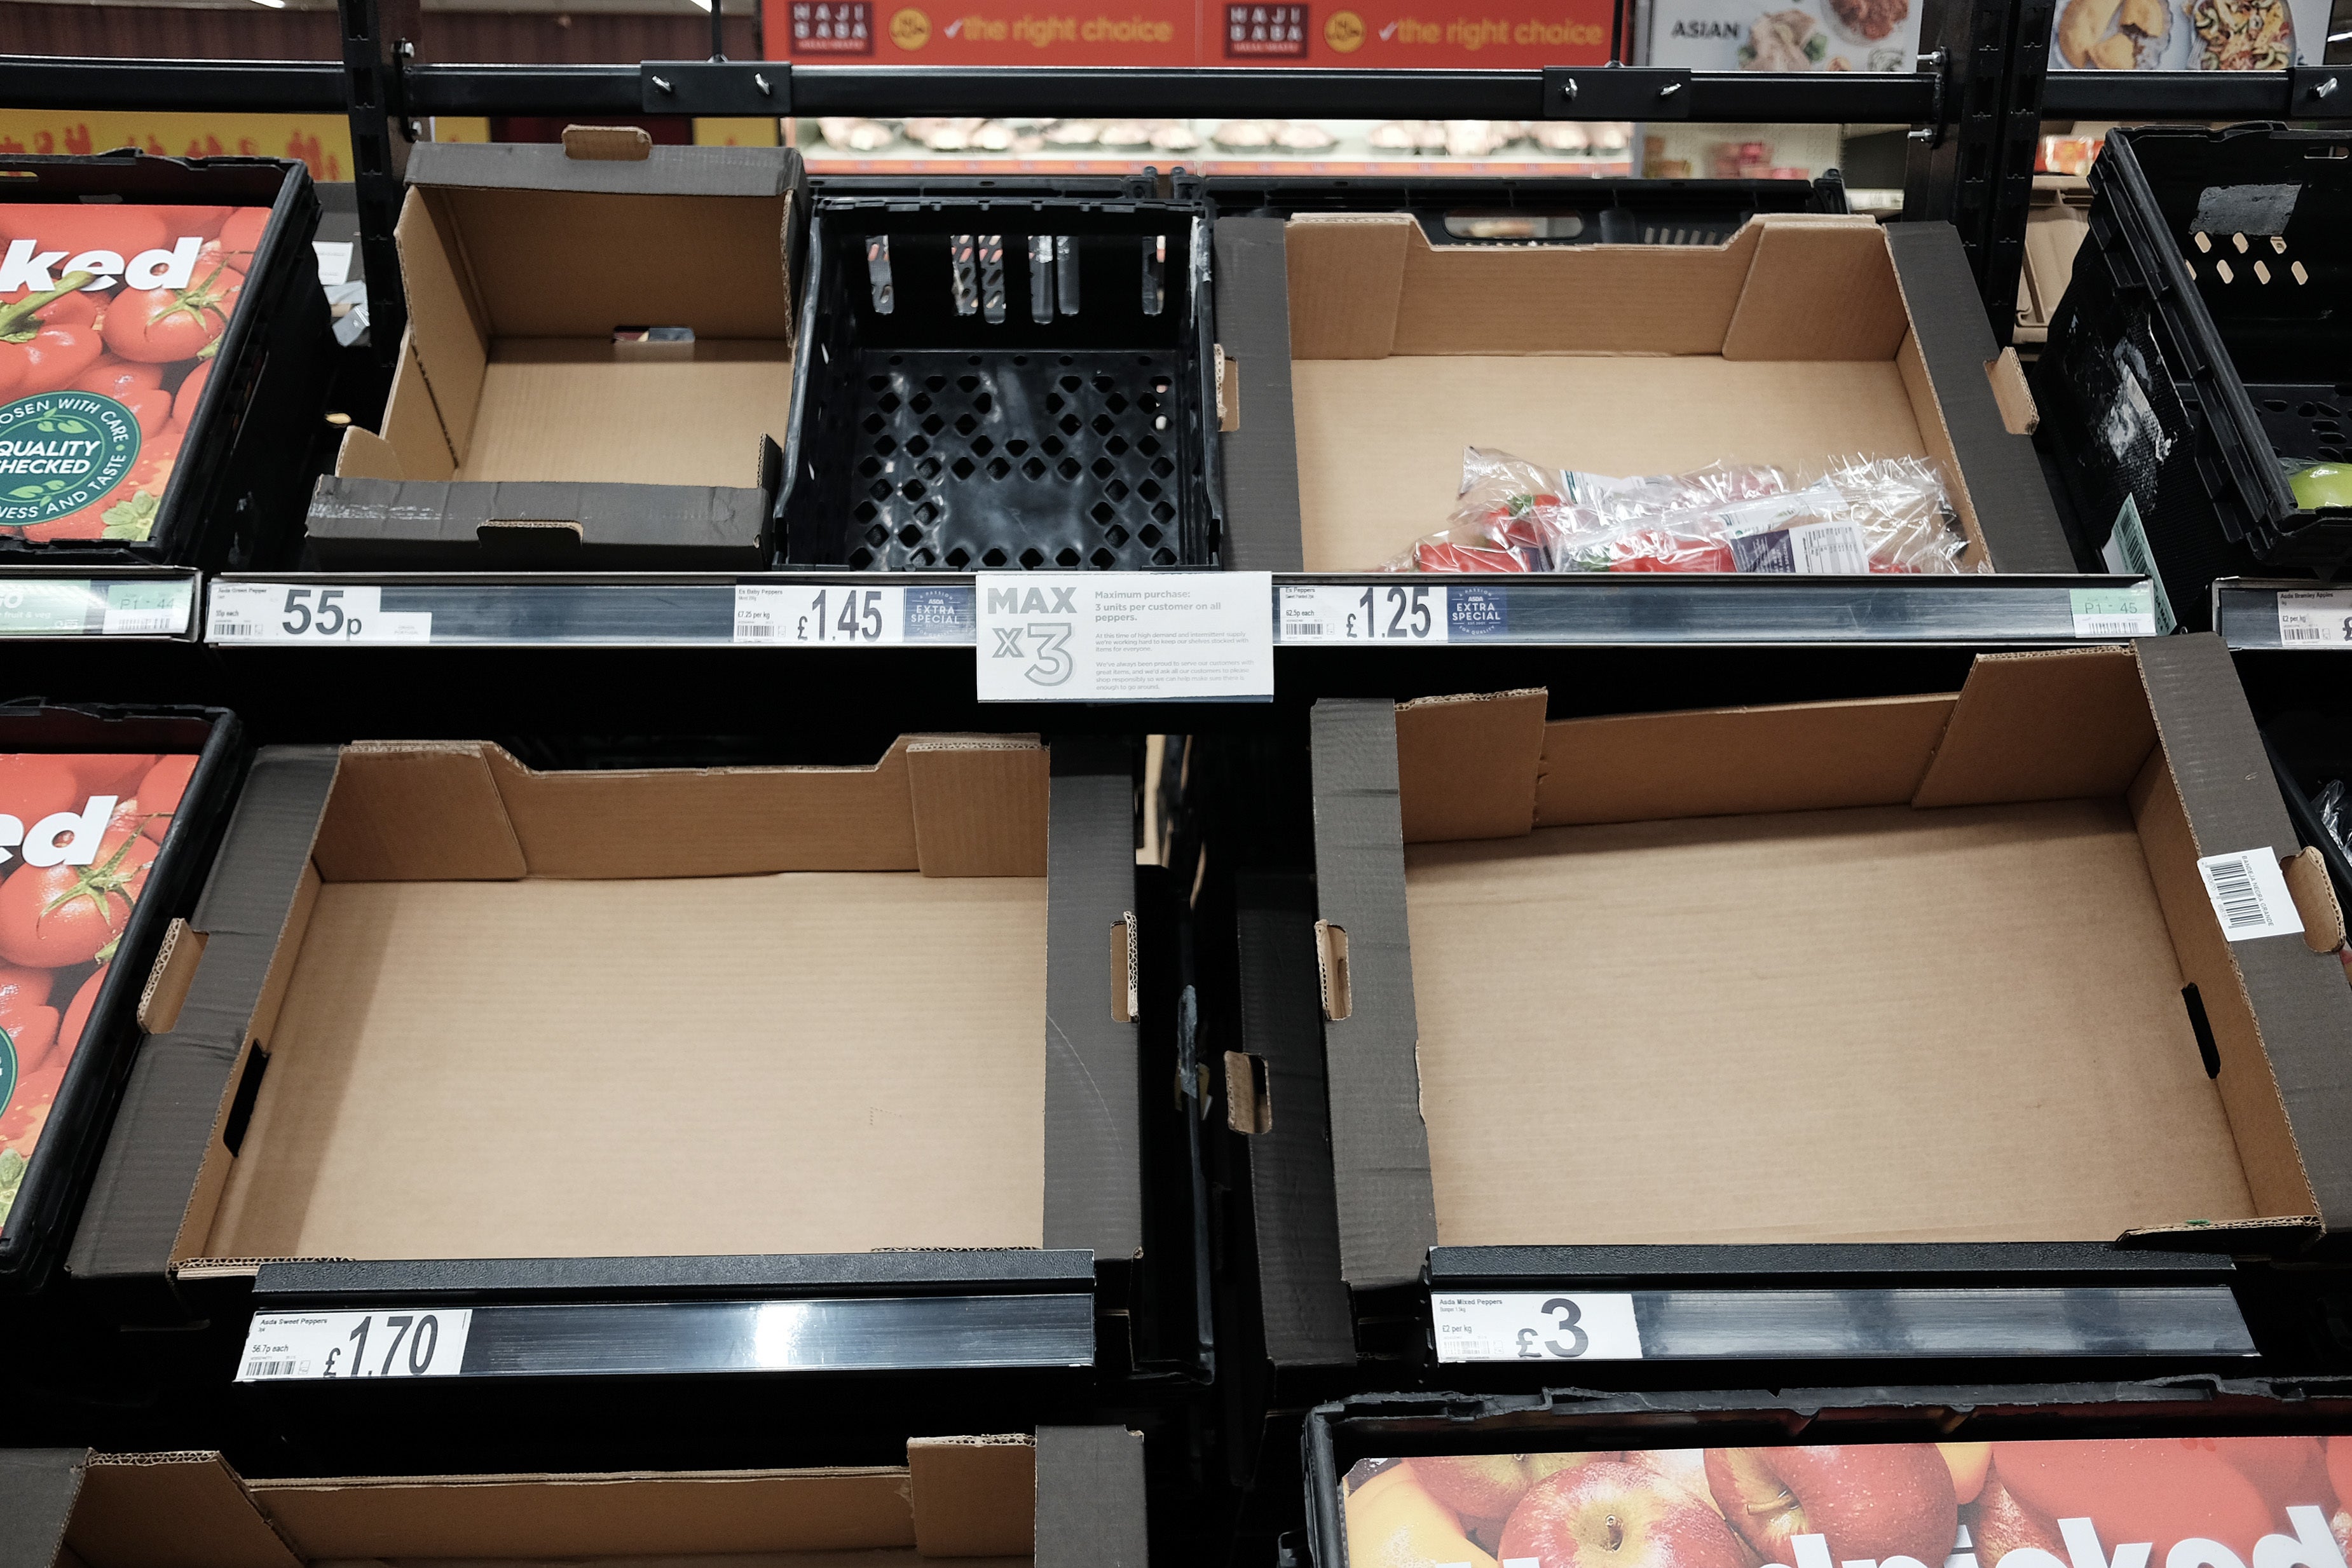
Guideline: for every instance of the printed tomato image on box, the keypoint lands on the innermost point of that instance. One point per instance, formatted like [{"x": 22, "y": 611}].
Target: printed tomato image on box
[
  {"x": 79, "y": 835},
  {"x": 2156, "y": 1502},
  {"x": 110, "y": 315}
]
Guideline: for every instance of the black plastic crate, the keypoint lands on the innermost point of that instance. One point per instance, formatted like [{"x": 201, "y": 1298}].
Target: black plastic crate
[
  {"x": 990, "y": 380},
  {"x": 1556, "y": 210},
  {"x": 243, "y": 461},
  {"x": 2202, "y": 340}
]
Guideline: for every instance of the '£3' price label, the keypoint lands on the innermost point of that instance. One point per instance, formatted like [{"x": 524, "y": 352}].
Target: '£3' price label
[{"x": 1530, "y": 1325}]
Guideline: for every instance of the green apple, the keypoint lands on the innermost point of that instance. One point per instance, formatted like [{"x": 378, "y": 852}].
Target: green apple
[{"x": 2320, "y": 485}]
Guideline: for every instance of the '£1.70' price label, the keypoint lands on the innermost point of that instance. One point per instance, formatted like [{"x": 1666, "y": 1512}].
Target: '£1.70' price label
[
  {"x": 415, "y": 1342},
  {"x": 1535, "y": 1325}
]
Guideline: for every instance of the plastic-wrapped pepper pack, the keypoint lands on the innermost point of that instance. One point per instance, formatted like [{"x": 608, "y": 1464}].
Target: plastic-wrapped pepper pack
[{"x": 1857, "y": 515}]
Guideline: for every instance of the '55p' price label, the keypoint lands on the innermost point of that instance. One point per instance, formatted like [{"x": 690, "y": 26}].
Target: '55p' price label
[
  {"x": 248, "y": 613},
  {"x": 1535, "y": 1325},
  {"x": 415, "y": 1343}
]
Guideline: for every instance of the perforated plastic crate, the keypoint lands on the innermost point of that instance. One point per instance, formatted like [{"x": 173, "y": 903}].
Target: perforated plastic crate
[{"x": 991, "y": 381}]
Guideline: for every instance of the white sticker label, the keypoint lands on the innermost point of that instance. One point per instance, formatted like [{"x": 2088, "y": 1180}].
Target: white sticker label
[
  {"x": 1534, "y": 1325},
  {"x": 2249, "y": 894},
  {"x": 258, "y": 612},
  {"x": 411, "y": 1343},
  {"x": 771, "y": 615},
  {"x": 1125, "y": 636},
  {"x": 2315, "y": 619},
  {"x": 334, "y": 260},
  {"x": 148, "y": 609},
  {"x": 1376, "y": 612}
]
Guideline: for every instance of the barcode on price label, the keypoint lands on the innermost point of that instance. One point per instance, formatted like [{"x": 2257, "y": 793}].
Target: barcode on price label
[
  {"x": 2315, "y": 617},
  {"x": 1535, "y": 1325},
  {"x": 2249, "y": 894},
  {"x": 415, "y": 1342},
  {"x": 1377, "y": 612}
]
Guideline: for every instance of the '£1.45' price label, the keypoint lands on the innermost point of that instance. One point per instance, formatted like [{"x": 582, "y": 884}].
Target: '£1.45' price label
[
  {"x": 1535, "y": 1325},
  {"x": 411, "y": 1343},
  {"x": 247, "y": 613}
]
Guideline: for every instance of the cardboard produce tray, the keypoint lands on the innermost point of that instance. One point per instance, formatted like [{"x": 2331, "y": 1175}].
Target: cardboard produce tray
[
  {"x": 1365, "y": 359},
  {"x": 461, "y": 1025},
  {"x": 1826, "y": 942},
  {"x": 1062, "y": 1497}
]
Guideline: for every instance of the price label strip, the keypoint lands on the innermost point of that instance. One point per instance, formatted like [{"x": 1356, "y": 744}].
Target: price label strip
[
  {"x": 1331, "y": 615},
  {"x": 1535, "y": 1325},
  {"x": 253, "y": 614},
  {"x": 285, "y": 1347},
  {"x": 2115, "y": 612},
  {"x": 2315, "y": 619},
  {"x": 850, "y": 615},
  {"x": 51, "y": 607},
  {"x": 1124, "y": 636}
]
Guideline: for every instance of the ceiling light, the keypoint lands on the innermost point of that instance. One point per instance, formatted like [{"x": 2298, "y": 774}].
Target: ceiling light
[{"x": 273, "y": 4}]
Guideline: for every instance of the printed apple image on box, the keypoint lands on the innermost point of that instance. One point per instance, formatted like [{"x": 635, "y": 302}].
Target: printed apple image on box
[
  {"x": 2157, "y": 1502},
  {"x": 111, "y": 316},
  {"x": 78, "y": 835}
]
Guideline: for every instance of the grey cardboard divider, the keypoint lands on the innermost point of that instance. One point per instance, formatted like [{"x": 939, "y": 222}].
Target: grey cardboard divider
[
  {"x": 1090, "y": 1501},
  {"x": 1304, "y": 1304},
  {"x": 1261, "y": 456},
  {"x": 2014, "y": 510},
  {"x": 38, "y": 1487},
  {"x": 1380, "y": 1146},
  {"x": 185, "y": 1080},
  {"x": 545, "y": 166},
  {"x": 387, "y": 524},
  {"x": 1380, "y": 1151}
]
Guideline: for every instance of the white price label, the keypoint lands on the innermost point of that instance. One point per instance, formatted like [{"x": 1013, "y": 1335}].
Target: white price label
[
  {"x": 411, "y": 1343},
  {"x": 844, "y": 615},
  {"x": 1375, "y": 613},
  {"x": 2315, "y": 619},
  {"x": 2115, "y": 612},
  {"x": 2249, "y": 896},
  {"x": 148, "y": 609},
  {"x": 1535, "y": 1325},
  {"x": 281, "y": 612},
  {"x": 1124, "y": 636}
]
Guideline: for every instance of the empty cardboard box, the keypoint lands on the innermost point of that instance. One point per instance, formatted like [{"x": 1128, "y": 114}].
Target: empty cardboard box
[
  {"x": 1921, "y": 970},
  {"x": 1367, "y": 358},
  {"x": 598, "y": 359},
  {"x": 1069, "y": 1496},
  {"x": 450, "y": 1008}
]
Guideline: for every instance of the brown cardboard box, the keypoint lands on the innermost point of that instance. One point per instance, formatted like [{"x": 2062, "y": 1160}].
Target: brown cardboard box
[
  {"x": 1910, "y": 970},
  {"x": 527, "y": 424},
  {"x": 1802, "y": 337},
  {"x": 2055, "y": 226},
  {"x": 1068, "y": 1496},
  {"x": 648, "y": 1014}
]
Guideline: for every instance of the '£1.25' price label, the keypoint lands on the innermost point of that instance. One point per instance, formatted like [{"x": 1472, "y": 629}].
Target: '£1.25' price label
[
  {"x": 247, "y": 613},
  {"x": 1535, "y": 1325},
  {"x": 415, "y": 1342},
  {"x": 1320, "y": 613}
]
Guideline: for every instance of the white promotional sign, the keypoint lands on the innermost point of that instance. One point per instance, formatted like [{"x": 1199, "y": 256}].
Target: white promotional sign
[{"x": 1125, "y": 636}]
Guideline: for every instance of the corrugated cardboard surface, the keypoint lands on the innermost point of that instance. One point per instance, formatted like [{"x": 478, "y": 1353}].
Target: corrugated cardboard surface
[
  {"x": 171, "y": 1511},
  {"x": 2043, "y": 726},
  {"x": 973, "y": 1497},
  {"x": 1380, "y": 1151},
  {"x": 1882, "y": 1024},
  {"x": 1466, "y": 768},
  {"x": 38, "y": 1487},
  {"x": 1090, "y": 1498},
  {"x": 1788, "y": 344},
  {"x": 573, "y": 411},
  {"x": 559, "y": 1068},
  {"x": 529, "y": 1518},
  {"x": 1260, "y": 459},
  {"x": 154, "y": 1173},
  {"x": 665, "y": 171}
]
